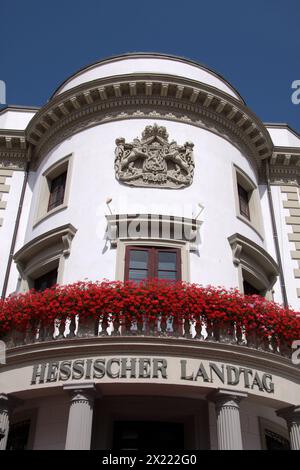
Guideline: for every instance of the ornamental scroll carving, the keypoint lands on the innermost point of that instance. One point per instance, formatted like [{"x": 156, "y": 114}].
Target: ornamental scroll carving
[{"x": 153, "y": 161}]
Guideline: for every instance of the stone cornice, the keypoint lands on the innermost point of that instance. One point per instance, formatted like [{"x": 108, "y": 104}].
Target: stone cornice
[
  {"x": 285, "y": 165},
  {"x": 13, "y": 149},
  {"x": 147, "y": 55},
  {"x": 241, "y": 245},
  {"x": 215, "y": 351},
  {"x": 61, "y": 234},
  {"x": 157, "y": 96}
]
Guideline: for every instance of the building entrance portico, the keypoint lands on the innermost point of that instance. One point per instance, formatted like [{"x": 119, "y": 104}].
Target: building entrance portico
[{"x": 154, "y": 422}]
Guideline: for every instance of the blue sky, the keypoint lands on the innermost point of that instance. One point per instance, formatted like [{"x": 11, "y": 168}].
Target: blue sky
[{"x": 254, "y": 44}]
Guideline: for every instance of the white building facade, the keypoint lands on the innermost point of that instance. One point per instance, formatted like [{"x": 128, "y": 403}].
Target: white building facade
[{"x": 134, "y": 161}]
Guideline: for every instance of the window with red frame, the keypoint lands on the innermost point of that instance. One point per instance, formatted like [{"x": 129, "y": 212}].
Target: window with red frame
[
  {"x": 57, "y": 191},
  {"x": 46, "y": 281},
  {"x": 143, "y": 263}
]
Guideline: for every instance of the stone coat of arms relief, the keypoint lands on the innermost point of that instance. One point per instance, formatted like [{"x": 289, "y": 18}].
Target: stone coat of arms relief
[{"x": 153, "y": 161}]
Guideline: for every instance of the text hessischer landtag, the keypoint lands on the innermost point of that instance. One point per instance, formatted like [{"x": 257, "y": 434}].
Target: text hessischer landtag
[{"x": 149, "y": 368}]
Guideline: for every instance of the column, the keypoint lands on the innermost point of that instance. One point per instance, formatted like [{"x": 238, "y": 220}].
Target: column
[
  {"x": 80, "y": 422},
  {"x": 228, "y": 418},
  {"x": 4, "y": 420},
  {"x": 292, "y": 416}
]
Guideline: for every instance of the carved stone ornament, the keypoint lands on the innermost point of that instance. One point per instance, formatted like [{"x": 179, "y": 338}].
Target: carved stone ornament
[{"x": 154, "y": 162}]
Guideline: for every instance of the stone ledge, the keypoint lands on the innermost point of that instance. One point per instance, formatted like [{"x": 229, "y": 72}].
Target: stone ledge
[
  {"x": 4, "y": 172},
  {"x": 4, "y": 188},
  {"x": 291, "y": 204},
  {"x": 294, "y": 237},
  {"x": 295, "y": 212},
  {"x": 292, "y": 220},
  {"x": 295, "y": 254},
  {"x": 288, "y": 189}
]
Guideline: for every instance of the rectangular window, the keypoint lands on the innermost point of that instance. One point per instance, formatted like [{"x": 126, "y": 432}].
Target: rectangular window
[
  {"x": 46, "y": 281},
  {"x": 143, "y": 263},
  {"x": 57, "y": 191},
  {"x": 244, "y": 202}
]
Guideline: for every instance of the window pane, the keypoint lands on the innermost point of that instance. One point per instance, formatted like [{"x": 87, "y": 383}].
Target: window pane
[
  {"x": 57, "y": 191},
  {"x": 167, "y": 261},
  {"x": 138, "y": 274},
  {"x": 138, "y": 259},
  {"x": 249, "y": 289},
  {"x": 171, "y": 275},
  {"x": 244, "y": 202},
  {"x": 46, "y": 281}
]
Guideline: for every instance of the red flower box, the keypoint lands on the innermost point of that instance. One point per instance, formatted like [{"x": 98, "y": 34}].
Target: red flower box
[{"x": 123, "y": 302}]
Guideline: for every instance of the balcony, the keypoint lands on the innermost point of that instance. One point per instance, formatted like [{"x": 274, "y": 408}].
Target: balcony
[{"x": 156, "y": 309}]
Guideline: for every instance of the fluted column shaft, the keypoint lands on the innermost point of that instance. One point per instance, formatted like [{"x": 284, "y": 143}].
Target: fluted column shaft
[
  {"x": 4, "y": 420},
  {"x": 292, "y": 417},
  {"x": 228, "y": 419},
  {"x": 79, "y": 432}
]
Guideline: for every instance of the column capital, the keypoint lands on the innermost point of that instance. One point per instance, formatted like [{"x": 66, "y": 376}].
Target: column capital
[
  {"x": 85, "y": 391},
  {"x": 9, "y": 402},
  {"x": 224, "y": 397},
  {"x": 79, "y": 430},
  {"x": 228, "y": 418},
  {"x": 81, "y": 386},
  {"x": 291, "y": 414},
  {"x": 4, "y": 400}
]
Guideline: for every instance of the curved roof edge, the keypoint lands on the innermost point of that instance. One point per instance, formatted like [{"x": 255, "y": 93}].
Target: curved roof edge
[{"x": 147, "y": 55}]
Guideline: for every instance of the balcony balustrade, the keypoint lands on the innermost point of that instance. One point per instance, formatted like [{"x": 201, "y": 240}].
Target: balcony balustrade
[
  {"x": 153, "y": 309},
  {"x": 160, "y": 327}
]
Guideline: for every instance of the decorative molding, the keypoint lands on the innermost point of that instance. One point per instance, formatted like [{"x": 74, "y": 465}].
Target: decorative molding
[
  {"x": 153, "y": 161},
  {"x": 249, "y": 256},
  {"x": 13, "y": 149},
  {"x": 66, "y": 241},
  {"x": 236, "y": 253},
  {"x": 43, "y": 252},
  {"x": 154, "y": 227},
  {"x": 255, "y": 221},
  {"x": 64, "y": 164},
  {"x": 128, "y": 97},
  {"x": 148, "y": 55},
  {"x": 285, "y": 166},
  {"x": 181, "y": 347}
]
